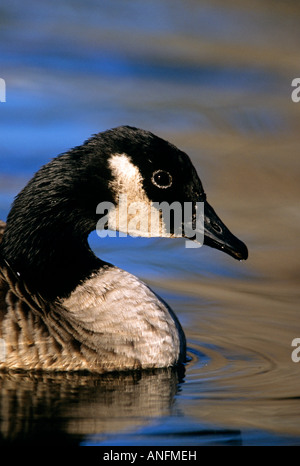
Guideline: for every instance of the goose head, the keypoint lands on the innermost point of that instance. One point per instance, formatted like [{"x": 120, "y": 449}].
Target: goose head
[
  {"x": 45, "y": 239},
  {"x": 150, "y": 173}
]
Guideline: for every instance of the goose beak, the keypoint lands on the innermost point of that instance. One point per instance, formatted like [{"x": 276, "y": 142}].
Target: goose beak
[{"x": 217, "y": 235}]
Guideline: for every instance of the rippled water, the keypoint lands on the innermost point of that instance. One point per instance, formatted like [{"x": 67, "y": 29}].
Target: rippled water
[{"x": 215, "y": 80}]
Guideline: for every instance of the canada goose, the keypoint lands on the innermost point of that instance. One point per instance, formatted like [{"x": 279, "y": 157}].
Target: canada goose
[{"x": 61, "y": 307}]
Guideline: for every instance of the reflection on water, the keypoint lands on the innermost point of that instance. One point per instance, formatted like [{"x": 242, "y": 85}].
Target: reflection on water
[
  {"x": 215, "y": 80},
  {"x": 65, "y": 408}
]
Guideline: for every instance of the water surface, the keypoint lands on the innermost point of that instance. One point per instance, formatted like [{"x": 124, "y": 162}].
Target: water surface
[{"x": 215, "y": 80}]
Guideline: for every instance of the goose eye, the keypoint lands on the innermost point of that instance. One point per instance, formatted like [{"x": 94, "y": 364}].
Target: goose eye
[{"x": 161, "y": 179}]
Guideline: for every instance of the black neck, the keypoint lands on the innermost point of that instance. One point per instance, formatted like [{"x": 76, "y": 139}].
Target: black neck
[
  {"x": 45, "y": 239},
  {"x": 52, "y": 266}
]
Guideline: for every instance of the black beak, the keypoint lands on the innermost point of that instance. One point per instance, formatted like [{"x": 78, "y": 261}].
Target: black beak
[{"x": 217, "y": 235}]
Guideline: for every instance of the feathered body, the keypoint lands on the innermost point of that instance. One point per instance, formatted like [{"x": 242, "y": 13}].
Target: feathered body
[{"x": 63, "y": 308}]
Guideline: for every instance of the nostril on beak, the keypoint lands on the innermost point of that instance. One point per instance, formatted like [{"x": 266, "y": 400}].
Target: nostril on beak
[{"x": 216, "y": 227}]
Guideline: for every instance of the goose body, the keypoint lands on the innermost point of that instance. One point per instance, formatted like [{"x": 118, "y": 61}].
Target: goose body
[{"x": 61, "y": 307}]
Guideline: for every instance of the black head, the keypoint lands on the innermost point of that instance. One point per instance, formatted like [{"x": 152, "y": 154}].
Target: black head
[{"x": 165, "y": 174}]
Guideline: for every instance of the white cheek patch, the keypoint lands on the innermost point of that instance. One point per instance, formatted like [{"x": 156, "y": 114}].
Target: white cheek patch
[
  {"x": 127, "y": 178},
  {"x": 134, "y": 213}
]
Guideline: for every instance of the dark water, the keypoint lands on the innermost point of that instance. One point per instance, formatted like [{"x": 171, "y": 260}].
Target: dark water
[{"x": 215, "y": 79}]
